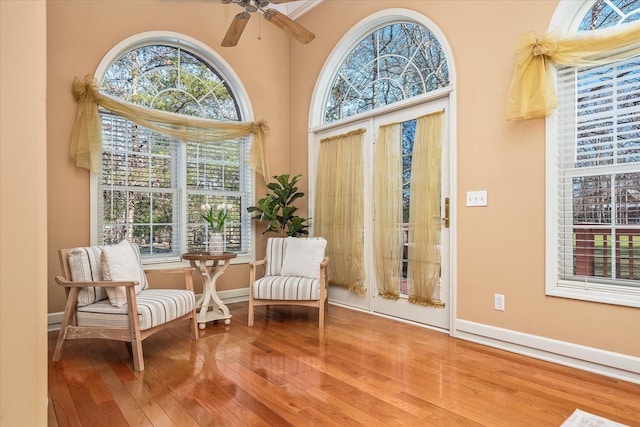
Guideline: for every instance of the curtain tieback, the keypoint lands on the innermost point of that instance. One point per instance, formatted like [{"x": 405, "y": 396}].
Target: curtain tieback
[
  {"x": 541, "y": 49},
  {"x": 83, "y": 89}
]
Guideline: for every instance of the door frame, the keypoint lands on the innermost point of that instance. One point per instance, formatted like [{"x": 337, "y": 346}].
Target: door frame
[
  {"x": 436, "y": 318},
  {"x": 364, "y": 120},
  {"x": 318, "y": 103}
]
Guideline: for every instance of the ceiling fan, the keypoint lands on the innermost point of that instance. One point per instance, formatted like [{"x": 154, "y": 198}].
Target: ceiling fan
[{"x": 280, "y": 20}]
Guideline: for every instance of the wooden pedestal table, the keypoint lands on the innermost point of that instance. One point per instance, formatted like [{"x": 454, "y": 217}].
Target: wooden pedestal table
[{"x": 211, "y": 267}]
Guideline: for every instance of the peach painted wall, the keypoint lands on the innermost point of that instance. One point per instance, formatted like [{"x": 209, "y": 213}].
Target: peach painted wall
[
  {"x": 80, "y": 33},
  {"x": 23, "y": 219},
  {"x": 501, "y": 248}
]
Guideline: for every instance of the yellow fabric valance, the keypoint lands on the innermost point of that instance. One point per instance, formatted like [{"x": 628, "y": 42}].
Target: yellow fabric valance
[
  {"x": 86, "y": 135},
  {"x": 532, "y": 93}
]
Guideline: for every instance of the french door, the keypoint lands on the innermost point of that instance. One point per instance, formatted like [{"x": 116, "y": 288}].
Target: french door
[{"x": 370, "y": 301}]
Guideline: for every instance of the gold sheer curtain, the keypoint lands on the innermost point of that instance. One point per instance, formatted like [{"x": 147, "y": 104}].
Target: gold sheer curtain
[
  {"x": 387, "y": 211},
  {"x": 339, "y": 211},
  {"x": 86, "y": 135},
  {"x": 424, "y": 212},
  {"x": 532, "y": 92}
]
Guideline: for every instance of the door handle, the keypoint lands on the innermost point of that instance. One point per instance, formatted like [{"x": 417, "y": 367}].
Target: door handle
[
  {"x": 444, "y": 219},
  {"x": 446, "y": 212}
]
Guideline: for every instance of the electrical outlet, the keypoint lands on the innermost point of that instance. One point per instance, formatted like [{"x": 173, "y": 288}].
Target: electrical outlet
[{"x": 498, "y": 302}]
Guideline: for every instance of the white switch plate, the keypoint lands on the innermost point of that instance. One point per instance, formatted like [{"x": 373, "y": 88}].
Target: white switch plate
[
  {"x": 477, "y": 198},
  {"x": 498, "y": 302}
]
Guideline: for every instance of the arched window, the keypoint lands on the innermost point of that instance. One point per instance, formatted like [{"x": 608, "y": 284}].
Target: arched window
[
  {"x": 593, "y": 160},
  {"x": 610, "y": 13},
  {"x": 392, "y": 70},
  {"x": 395, "y": 62},
  {"x": 150, "y": 186}
]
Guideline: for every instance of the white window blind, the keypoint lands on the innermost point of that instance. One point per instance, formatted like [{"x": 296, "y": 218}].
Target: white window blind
[
  {"x": 139, "y": 194},
  {"x": 219, "y": 173},
  {"x": 598, "y": 175},
  {"x": 143, "y": 194}
]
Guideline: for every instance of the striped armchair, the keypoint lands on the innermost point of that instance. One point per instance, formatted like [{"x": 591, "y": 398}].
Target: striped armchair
[
  {"x": 108, "y": 297},
  {"x": 294, "y": 274}
]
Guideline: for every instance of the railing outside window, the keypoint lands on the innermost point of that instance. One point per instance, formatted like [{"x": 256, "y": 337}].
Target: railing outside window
[{"x": 601, "y": 251}]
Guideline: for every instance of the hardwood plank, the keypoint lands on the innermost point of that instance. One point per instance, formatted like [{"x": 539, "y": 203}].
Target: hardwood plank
[
  {"x": 361, "y": 370},
  {"x": 127, "y": 405},
  {"x": 60, "y": 399}
]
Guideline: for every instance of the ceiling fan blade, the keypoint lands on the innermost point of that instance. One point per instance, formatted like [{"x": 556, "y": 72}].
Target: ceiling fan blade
[
  {"x": 235, "y": 29},
  {"x": 296, "y": 30},
  {"x": 281, "y": 1}
]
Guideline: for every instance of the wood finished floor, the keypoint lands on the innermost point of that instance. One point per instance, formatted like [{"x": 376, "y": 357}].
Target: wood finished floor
[{"x": 362, "y": 370}]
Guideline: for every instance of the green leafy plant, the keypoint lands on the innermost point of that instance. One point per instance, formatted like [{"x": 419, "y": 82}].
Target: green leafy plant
[
  {"x": 216, "y": 220},
  {"x": 277, "y": 209}
]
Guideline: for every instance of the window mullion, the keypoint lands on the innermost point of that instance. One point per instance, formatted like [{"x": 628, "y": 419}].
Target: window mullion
[{"x": 182, "y": 196}]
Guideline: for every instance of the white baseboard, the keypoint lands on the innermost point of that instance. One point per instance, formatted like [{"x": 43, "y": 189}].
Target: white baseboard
[
  {"x": 615, "y": 365},
  {"x": 54, "y": 320}
]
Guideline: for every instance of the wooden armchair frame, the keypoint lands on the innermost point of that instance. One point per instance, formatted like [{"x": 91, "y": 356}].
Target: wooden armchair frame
[
  {"x": 321, "y": 302},
  {"x": 69, "y": 328}
]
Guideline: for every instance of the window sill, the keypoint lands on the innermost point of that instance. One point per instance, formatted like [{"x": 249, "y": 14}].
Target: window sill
[{"x": 605, "y": 294}]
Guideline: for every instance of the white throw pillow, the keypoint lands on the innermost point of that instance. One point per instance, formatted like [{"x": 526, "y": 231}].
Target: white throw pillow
[
  {"x": 122, "y": 262},
  {"x": 302, "y": 257}
]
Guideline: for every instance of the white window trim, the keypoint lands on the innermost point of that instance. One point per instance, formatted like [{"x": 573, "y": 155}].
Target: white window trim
[
  {"x": 242, "y": 98},
  {"x": 595, "y": 292},
  {"x": 570, "y": 11}
]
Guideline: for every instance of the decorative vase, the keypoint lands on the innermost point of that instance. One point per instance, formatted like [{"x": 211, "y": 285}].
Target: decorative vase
[{"x": 216, "y": 244}]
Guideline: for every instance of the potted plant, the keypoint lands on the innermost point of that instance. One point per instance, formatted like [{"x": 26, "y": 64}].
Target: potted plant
[
  {"x": 277, "y": 208},
  {"x": 216, "y": 222}
]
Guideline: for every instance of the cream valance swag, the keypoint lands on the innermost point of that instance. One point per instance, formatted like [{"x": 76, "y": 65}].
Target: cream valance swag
[
  {"x": 86, "y": 136},
  {"x": 532, "y": 93}
]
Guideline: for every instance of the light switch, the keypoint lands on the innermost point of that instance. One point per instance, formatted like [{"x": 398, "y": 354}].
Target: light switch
[{"x": 477, "y": 198}]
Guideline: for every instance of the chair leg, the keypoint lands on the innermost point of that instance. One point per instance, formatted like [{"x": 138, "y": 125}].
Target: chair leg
[
  {"x": 194, "y": 327},
  {"x": 57, "y": 353},
  {"x": 69, "y": 312},
  {"x": 138, "y": 358},
  {"x": 251, "y": 313},
  {"x": 321, "y": 316}
]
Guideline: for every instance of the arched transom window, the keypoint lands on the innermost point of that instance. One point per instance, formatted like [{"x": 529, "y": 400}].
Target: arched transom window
[
  {"x": 169, "y": 78},
  {"x": 393, "y": 63},
  {"x": 610, "y": 13}
]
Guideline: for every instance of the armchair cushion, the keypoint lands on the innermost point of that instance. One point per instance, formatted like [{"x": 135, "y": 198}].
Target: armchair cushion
[
  {"x": 302, "y": 257},
  {"x": 274, "y": 256},
  {"x": 155, "y": 307},
  {"x": 85, "y": 266},
  {"x": 122, "y": 262},
  {"x": 286, "y": 288}
]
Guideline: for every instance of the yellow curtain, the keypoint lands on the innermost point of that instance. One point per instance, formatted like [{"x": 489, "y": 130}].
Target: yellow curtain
[
  {"x": 86, "y": 135},
  {"x": 424, "y": 212},
  {"x": 339, "y": 211},
  {"x": 387, "y": 211},
  {"x": 532, "y": 92}
]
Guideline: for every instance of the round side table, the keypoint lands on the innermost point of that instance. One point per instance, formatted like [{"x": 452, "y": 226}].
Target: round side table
[{"x": 211, "y": 268}]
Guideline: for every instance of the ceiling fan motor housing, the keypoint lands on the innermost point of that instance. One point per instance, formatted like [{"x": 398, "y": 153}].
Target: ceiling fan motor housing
[{"x": 240, "y": 21}]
